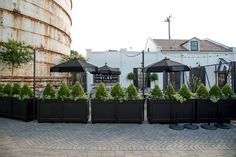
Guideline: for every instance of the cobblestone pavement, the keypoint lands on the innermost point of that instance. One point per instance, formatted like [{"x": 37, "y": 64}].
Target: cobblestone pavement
[{"x": 32, "y": 139}]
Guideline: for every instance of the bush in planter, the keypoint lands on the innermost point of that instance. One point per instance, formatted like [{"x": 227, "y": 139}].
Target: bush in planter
[
  {"x": 227, "y": 92},
  {"x": 170, "y": 92},
  {"x": 77, "y": 92},
  {"x": 183, "y": 94},
  {"x": 215, "y": 93},
  {"x": 118, "y": 93},
  {"x": 202, "y": 92},
  {"x": 63, "y": 92},
  {"x": 156, "y": 93},
  {"x": 25, "y": 92},
  {"x": 49, "y": 92},
  {"x": 7, "y": 90},
  {"x": 101, "y": 92},
  {"x": 16, "y": 90},
  {"x": 132, "y": 92}
]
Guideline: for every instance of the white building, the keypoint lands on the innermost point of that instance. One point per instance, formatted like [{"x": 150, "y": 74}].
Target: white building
[{"x": 193, "y": 52}]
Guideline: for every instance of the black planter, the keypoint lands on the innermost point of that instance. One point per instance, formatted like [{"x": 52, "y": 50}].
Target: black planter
[
  {"x": 6, "y": 106},
  {"x": 159, "y": 111},
  {"x": 104, "y": 111},
  {"x": 22, "y": 109},
  {"x": 206, "y": 111},
  {"x": 227, "y": 109},
  {"x": 131, "y": 111},
  {"x": 62, "y": 111},
  {"x": 75, "y": 111},
  {"x": 183, "y": 112}
]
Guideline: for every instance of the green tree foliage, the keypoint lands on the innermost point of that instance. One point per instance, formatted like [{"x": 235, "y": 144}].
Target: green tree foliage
[
  {"x": 15, "y": 54},
  {"x": 193, "y": 83},
  {"x": 101, "y": 92},
  {"x": 49, "y": 92},
  {"x": 74, "y": 55},
  {"x": 156, "y": 93},
  {"x": 153, "y": 77},
  {"x": 78, "y": 92},
  {"x": 63, "y": 92},
  {"x": 132, "y": 92},
  {"x": 202, "y": 92},
  {"x": 16, "y": 90},
  {"x": 1, "y": 90},
  {"x": 7, "y": 90},
  {"x": 227, "y": 91},
  {"x": 185, "y": 92},
  {"x": 26, "y": 92},
  {"x": 131, "y": 76},
  {"x": 118, "y": 92},
  {"x": 215, "y": 93},
  {"x": 170, "y": 92}
]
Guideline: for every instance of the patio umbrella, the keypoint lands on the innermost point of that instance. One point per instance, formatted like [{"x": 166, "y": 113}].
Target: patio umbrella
[
  {"x": 167, "y": 65},
  {"x": 73, "y": 66},
  {"x": 106, "y": 70}
]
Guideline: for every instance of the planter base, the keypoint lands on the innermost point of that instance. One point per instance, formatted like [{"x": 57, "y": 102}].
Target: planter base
[
  {"x": 176, "y": 127},
  {"x": 222, "y": 126},
  {"x": 191, "y": 126},
  {"x": 208, "y": 127}
]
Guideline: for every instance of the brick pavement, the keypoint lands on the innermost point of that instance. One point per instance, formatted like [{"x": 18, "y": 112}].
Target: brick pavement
[{"x": 20, "y": 139}]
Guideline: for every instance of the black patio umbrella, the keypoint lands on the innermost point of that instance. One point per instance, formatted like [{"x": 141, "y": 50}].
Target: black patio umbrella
[
  {"x": 167, "y": 65},
  {"x": 73, "y": 66},
  {"x": 106, "y": 70}
]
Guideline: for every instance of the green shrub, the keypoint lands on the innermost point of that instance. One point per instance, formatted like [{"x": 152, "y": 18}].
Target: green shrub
[
  {"x": 101, "y": 92},
  {"x": 118, "y": 92},
  {"x": 26, "y": 92},
  {"x": 156, "y": 93},
  {"x": 202, "y": 92},
  {"x": 169, "y": 92},
  {"x": 131, "y": 76},
  {"x": 215, "y": 93},
  {"x": 16, "y": 90},
  {"x": 153, "y": 77},
  {"x": 185, "y": 92},
  {"x": 7, "y": 90},
  {"x": 227, "y": 91},
  {"x": 49, "y": 92},
  {"x": 132, "y": 92},
  {"x": 63, "y": 92},
  {"x": 193, "y": 83},
  {"x": 1, "y": 89},
  {"x": 78, "y": 92}
]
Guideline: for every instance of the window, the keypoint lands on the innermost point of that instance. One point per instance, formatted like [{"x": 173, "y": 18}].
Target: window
[
  {"x": 222, "y": 79},
  {"x": 194, "y": 45},
  {"x": 139, "y": 81}
]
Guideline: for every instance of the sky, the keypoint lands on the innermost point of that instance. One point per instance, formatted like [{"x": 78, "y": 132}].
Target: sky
[{"x": 101, "y": 25}]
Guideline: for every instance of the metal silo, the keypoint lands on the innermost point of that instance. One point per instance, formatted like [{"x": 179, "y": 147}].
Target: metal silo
[{"x": 38, "y": 23}]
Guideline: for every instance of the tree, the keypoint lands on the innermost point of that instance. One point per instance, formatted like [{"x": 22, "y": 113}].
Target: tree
[
  {"x": 154, "y": 77},
  {"x": 131, "y": 76},
  {"x": 74, "y": 55},
  {"x": 15, "y": 54}
]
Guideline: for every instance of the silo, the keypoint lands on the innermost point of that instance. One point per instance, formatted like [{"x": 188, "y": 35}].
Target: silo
[{"x": 39, "y": 23}]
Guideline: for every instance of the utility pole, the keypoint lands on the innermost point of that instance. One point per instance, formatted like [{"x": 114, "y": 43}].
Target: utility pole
[
  {"x": 143, "y": 83},
  {"x": 168, "y": 19}
]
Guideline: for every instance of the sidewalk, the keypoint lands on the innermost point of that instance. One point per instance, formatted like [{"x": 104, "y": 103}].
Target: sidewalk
[{"x": 20, "y": 139}]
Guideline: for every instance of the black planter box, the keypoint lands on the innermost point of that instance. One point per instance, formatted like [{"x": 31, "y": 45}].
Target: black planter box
[
  {"x": 159, "y": 111},
  {"x": 131, "y": 111},
  {"x": 183, "y": 112},
  {"x": 104, "y": 111},
  {"x": 206, "y": 111},
  {"x": 62, "y": 111},
  {"x": 22, "y": 109},
  {"x": 227, "y": 109},
  {"x": 75, "y": 111},
  {"x": 5, "y": 106}
]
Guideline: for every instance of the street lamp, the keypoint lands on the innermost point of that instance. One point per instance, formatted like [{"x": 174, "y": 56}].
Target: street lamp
[{"x": 34, "y": 73}]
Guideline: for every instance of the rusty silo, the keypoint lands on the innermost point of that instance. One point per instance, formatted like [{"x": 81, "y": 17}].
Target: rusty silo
[{"x": 37, "y": 22}]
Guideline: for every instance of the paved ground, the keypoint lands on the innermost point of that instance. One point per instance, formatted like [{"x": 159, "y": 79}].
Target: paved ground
[{"x": 20, "y": 139}]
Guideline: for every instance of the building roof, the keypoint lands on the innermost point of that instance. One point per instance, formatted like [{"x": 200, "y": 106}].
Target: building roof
[{"x": 177, "y": 45}]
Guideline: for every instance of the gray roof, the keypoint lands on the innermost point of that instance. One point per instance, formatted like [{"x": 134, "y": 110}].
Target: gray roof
[{"x": 177, "y": 45}]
